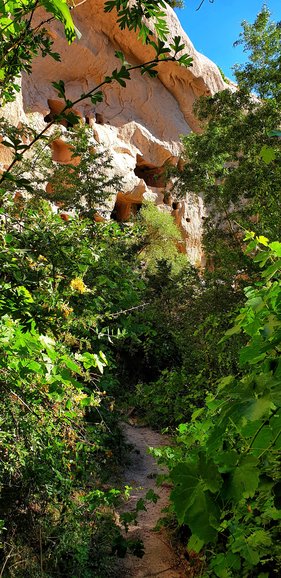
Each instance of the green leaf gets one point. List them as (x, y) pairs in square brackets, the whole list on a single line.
[(70, 364), (61, 11), (191, 497), (274, 133), (262, 240), (226, 460), (224, 381), (267, 154), (35, 367), (151, 496), (97, 97), (259, 538), (257, 408), (195, 544), (224, 563), (276, 247), (262, 441), (244, 480), (232, 331), (251, 354), (272, 269), (60, 87), (120, 55), (185, 61), (9, 238)]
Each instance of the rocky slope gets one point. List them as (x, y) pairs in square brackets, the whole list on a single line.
[(139, 124)]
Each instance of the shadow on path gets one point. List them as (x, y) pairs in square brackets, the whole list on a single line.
[(160, 558)]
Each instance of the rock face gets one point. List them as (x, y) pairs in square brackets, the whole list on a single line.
[(139, 124)]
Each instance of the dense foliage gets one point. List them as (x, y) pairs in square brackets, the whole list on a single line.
[(64, 281), (97, 316), (57, 431), (68, 287), (227, 472), (239, 168), (225, 467)]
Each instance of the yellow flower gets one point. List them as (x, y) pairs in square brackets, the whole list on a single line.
[(66, 310), (78, 285), (79, 396), (31, 263)]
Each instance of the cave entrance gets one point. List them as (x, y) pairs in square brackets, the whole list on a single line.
[(56, 107), (152, 175), (125, 209)]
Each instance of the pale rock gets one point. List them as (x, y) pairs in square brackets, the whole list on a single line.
[(141, 124)]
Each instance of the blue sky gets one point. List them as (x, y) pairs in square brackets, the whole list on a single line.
[(215, 27)]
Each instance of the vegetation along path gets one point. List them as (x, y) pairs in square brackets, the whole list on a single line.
[(160, 558)]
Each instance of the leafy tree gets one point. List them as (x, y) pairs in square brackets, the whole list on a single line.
[(64, 287), (22, 39), (226, 466), (239, 168), (58, 300), (83, 183), (226, 470)]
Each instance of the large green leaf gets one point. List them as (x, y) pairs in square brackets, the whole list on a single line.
[(192, 499), (256, 408), (244, 479), (262, 441)]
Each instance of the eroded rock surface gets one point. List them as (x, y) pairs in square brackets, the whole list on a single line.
[(140, 124)]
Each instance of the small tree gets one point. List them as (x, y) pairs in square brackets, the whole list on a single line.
[(235, 160)]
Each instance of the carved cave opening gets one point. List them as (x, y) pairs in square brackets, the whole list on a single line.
[(56, 107), (152, 175), (99, 118), (125, 209)]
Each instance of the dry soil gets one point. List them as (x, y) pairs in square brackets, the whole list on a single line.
[(160, 559)]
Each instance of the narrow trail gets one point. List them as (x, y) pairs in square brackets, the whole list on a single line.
[(160, 559)]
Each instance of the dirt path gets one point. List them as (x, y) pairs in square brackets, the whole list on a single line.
[(159, 558)]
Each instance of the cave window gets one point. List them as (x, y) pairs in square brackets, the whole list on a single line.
[(56, 107), (99, 118), (152, 175), (114, 214), (124, 210)]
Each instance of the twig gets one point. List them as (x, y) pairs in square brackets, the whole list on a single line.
[(76, 5), (27, 406), (6, 561), (113, 315), (202, 2), (41, 552)]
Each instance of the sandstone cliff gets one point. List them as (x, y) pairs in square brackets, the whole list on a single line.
[(140, 124)]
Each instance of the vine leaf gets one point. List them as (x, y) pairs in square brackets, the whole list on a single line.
[(244, 479), (191, 497)]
